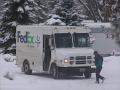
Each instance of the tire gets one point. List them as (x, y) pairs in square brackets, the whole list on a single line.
[(87, 75), (54, 71), (27, 68)]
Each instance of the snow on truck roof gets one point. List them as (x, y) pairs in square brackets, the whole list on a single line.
[(56, 29)]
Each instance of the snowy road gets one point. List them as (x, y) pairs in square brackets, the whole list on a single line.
[(44, 82)]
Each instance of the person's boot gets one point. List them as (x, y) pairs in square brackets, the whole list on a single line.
[(103, 80), (97, 82)]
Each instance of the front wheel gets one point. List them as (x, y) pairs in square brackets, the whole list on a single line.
[(27, 68), (54, 71), (87, 75)]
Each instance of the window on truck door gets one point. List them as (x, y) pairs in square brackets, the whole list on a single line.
[(47, 37), (45, 41)]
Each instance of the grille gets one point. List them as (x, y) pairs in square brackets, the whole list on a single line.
[(80, 62), (71, 58), (89, 57), (80, 59)]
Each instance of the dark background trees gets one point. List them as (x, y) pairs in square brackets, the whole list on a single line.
[(67, 12), (17, 12)]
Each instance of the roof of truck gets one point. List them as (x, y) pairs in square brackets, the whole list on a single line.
[(56, 29)]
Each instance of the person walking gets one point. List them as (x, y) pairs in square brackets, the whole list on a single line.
[(98, 64)]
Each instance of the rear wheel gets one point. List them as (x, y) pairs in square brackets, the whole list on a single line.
[(27, 69)]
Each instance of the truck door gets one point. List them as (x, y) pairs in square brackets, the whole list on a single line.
[(47, 52)]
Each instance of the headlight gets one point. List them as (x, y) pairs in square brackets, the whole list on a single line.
[(66, 60), (89, 61)]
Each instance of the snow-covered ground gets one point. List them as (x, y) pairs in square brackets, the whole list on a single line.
[(40, 81)]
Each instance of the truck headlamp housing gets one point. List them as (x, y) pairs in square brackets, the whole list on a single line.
[(66, 60), (89, 61)]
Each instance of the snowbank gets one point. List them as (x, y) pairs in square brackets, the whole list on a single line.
[(8, 57), (41, 81), (54, 20), (7, 66)]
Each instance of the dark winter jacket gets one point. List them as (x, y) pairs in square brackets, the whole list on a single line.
[(98, 60)]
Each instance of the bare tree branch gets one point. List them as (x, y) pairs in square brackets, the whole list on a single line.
[(87, 8), (98, 10)]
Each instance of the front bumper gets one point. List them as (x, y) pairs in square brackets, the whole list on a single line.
[(76, 70)]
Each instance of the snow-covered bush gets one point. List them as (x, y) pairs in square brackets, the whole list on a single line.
[(9, 76), (18, 12), (54, 20), (9, 58), (67, 10)]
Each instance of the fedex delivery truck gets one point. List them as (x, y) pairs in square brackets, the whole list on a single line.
[(56, 50)]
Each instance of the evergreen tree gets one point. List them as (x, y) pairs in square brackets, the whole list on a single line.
[(51, 4), (94, 9), (16, 12), (40, 12), (68, 12)]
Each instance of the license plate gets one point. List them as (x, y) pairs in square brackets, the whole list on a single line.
[(82, 70)]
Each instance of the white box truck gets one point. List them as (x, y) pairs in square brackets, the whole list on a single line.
[(56, 50)]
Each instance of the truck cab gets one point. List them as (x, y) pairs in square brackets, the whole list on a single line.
[(69, 52)]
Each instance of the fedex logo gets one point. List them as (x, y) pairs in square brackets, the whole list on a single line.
[(25, 38)]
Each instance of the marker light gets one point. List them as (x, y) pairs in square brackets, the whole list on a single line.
[(66, 61), (89, 61), (74, 27), (71, 28), (67, 27)]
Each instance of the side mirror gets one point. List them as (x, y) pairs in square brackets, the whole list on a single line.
[(92, 39), (51, 43)]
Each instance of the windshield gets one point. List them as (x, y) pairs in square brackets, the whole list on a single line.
[(81, 40), (63, 40)]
